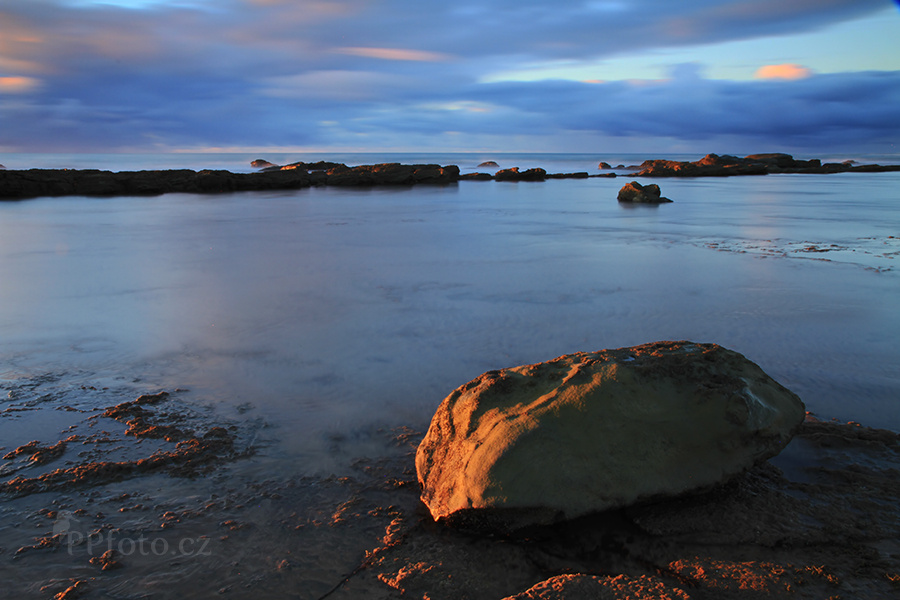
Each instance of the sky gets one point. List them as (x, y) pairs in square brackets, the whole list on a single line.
[(725, 76)]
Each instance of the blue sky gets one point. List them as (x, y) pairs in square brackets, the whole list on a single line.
[(740, 76)]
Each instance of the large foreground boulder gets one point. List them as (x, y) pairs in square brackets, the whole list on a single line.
[(589, 432)]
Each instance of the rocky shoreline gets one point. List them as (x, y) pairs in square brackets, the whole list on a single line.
[(32, 183), (820, 520)]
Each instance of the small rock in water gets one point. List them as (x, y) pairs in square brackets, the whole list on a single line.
[(261, 163), (488, 163), (589, 432), (635, 192)]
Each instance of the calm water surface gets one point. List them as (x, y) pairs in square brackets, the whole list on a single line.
[(329, 313)]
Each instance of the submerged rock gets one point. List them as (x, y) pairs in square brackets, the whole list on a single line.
[(590, 432), (647, 194)]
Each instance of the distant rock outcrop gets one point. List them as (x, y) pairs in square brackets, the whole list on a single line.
[(64, 182), (391, 174), (476, 177), (604, 165), (91, 182), (576, 175), (488, 163), (322, 165), (713, 165), (647, 194), (514, 174), (589, 432)]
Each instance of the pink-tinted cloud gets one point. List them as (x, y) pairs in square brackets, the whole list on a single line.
[(784, 71), (17, 84), (394, 54)]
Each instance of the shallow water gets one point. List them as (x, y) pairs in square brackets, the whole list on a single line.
[(317, 321), (330, 313)]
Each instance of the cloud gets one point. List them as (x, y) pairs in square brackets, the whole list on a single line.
[(819, 111), (17, 85), (784, 71), (394, 54), (258, 72), (336, 85)]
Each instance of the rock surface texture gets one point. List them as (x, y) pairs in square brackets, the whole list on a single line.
[(646, 194), (590, 432)]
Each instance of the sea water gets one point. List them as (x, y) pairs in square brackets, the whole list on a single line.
[(331, 313)]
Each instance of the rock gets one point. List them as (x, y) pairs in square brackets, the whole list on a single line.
[(511, 174), (488, 163), (321, 165), (107, 561), (419, 564), (604, 165), (2, 168), (391, 174), (713, 165), (261, 163), (590, 432), (635, 192), (64, 182), (593, 587), (817, 529), (778, 159), (873, 168), (576, 175), (74, 591), (514, 174)]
